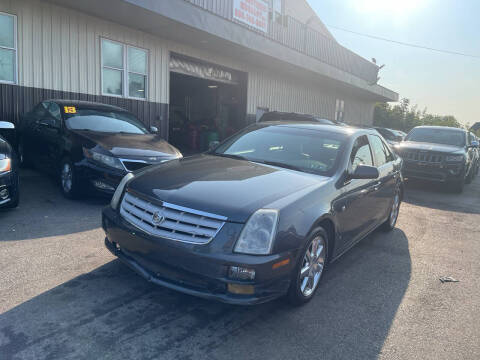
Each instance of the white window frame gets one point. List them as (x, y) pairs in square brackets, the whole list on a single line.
[(15, 49), (125, 71), (340, 109)]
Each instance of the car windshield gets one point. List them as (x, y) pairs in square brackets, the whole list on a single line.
[(104, 121), (437, 136), (312, 151)]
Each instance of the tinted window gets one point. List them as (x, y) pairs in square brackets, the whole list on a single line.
[(388, 152), (387, 134), (54, 110), (378, 150), (437, 136), (301, 149), (361, 153), (104, 121), (40, 111)]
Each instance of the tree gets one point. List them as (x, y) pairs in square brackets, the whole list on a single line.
[(404, 116)]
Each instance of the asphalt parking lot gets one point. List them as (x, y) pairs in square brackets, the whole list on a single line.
[(63, 296)]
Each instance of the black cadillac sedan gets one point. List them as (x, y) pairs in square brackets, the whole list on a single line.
[(260, 216), (89, 145), (9, 189), (440, 154)]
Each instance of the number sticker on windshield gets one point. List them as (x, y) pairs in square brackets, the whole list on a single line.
[(70, 109)]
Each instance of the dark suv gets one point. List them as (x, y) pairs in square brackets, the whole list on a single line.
[(439, 153)]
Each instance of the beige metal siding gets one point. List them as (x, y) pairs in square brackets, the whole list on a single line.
[(59, 49)]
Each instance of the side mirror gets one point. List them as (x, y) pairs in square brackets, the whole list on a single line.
[(5, 125), (365, 172), (153, 129), (213, 145)]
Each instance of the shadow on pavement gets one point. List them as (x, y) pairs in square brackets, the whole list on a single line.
[(438, 196), (113, 313), (44, 212)]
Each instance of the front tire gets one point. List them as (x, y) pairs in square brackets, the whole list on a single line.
[(22, 158), (69, 183), (309, 269)]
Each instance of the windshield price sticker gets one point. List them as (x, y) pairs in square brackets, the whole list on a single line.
[(70, 109)]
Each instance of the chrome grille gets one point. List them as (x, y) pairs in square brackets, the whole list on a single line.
[(176, 222), (422, 156)]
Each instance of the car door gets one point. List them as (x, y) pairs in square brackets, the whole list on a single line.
[(384, 189), (30, 141), (354, 213), (48, 135)]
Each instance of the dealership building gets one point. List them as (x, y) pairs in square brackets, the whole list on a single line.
[(184, 66)]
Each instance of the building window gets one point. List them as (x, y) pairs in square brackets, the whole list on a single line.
[(8, 48), (124, 70), (278, 11), (340, 110)]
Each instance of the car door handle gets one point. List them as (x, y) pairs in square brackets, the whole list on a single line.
[(375, 187)]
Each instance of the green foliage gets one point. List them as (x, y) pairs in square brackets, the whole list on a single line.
[(404, 116)]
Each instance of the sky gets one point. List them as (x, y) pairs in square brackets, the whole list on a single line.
[(444, 84)]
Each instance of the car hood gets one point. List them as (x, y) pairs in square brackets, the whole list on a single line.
[(222, 186), (412, 145), (131, 145)]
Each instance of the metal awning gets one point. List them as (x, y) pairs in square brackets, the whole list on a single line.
[(199, 69)]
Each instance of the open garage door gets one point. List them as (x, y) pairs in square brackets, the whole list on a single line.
[(207, 103)]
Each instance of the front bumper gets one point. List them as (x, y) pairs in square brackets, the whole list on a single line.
[(198, 270), (9, 186), (102, 179), (433, 172)]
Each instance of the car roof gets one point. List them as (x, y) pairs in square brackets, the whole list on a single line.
[(314, 125), (439, 128), (290, 116), (86, 104)]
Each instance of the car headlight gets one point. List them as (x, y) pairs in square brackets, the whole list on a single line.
[(258, 233), (109, 161), (5, 165), (452, 158), (119, 191)]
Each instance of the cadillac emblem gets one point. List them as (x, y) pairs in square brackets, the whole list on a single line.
[(157, 219)]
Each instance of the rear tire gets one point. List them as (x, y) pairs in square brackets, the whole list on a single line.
[(310, 268), (69, 182), (22, 158), (390, 223)]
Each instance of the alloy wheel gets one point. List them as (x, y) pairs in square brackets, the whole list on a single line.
[(313, 264), (395, 210), (67, 178)]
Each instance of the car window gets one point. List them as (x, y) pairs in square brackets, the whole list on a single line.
[(361, 153), (452, 137), (378, 150), (108, 121), (388, 152), (54, 110), (40, 111), (311, 151)]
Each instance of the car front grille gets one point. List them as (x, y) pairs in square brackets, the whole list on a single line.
[(171, 221), (422, 156)]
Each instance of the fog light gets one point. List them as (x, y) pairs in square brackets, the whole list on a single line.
[(4, 194), (241, 289), (241, 273), (102, 186)]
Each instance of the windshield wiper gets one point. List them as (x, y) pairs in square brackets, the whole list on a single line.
[(232, 156), (282, 165)]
